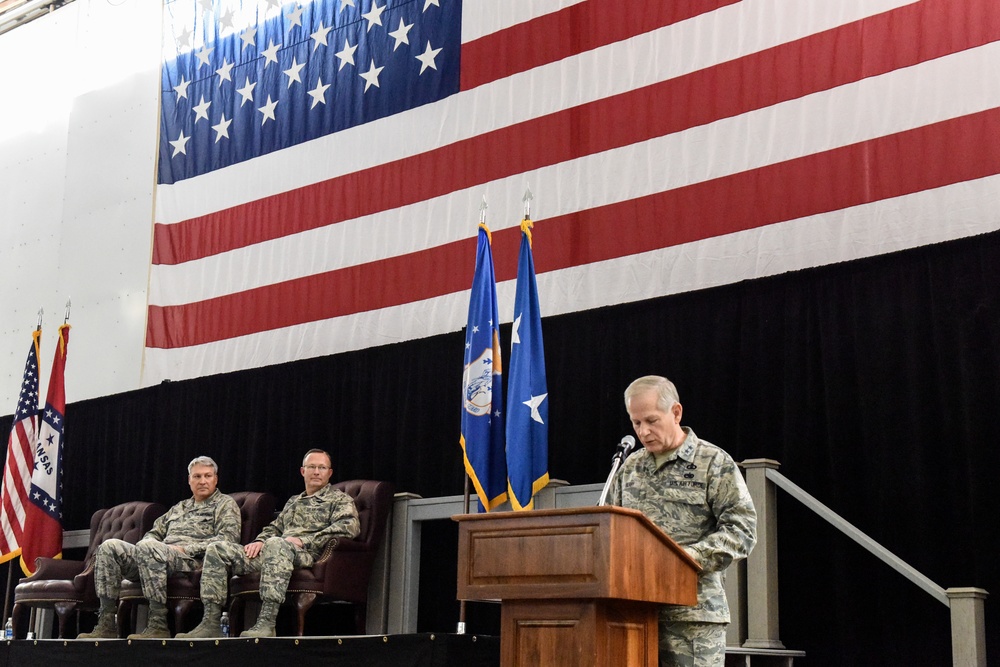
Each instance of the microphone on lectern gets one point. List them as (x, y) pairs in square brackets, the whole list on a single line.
[(625, 448)]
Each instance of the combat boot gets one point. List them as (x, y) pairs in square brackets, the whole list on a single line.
[(156, 624), (264, 627), (106, 627), (209, 626)]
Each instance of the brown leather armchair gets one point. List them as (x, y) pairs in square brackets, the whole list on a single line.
[(67, 586), (344, 568), (184, 588)]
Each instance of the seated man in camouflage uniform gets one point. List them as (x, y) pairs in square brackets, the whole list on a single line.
[(693, 491), (294, 539), (175, 543)]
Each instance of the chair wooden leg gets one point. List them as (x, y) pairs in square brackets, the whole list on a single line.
[(181, 609), (63, 610), (361, 617), (237, 609), (303, 602), (18, 614), (126, 622)]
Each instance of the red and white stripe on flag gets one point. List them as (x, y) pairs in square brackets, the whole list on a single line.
[(670, 146), (20, 457)]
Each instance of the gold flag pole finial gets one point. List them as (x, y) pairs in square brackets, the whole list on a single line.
[(41, 311), (69, 302)]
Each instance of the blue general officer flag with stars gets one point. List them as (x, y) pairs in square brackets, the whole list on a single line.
[(527, 392), (243, 78), (482, 436)]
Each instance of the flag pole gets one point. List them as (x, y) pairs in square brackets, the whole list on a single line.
[(466, 494), (6, 596), (466, 499)]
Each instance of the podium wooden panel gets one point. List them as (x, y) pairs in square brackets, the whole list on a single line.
[(579, 586)]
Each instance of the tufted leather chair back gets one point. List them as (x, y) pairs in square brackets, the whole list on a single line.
[(256, 511), (373, 499), (128, 521)]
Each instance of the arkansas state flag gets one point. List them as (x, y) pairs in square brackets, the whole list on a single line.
[(43, 512)]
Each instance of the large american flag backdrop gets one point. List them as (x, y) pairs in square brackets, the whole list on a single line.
[(322, 164)]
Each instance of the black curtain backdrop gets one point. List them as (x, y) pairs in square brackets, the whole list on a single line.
[(874, 383)]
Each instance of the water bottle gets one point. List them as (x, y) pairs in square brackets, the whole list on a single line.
[(224, 624), (8, 629)]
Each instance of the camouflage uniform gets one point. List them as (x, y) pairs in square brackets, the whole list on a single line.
[(313, 519), (690, 644), (698, 498), (188, 524)]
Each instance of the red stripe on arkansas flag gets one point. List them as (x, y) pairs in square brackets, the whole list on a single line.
[(646, 131)]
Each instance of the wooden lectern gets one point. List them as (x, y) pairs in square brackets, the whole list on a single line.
[(579, 587)]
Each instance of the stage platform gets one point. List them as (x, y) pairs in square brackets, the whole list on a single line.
[(417, 650)]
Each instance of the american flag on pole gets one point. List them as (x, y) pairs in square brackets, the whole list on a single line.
[(43, 512), (20, 457), (319, 161)]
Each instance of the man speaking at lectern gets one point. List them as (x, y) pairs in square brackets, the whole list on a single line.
[(693, 491)]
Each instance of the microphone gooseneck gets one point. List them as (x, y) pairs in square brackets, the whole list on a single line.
[(625, 448)]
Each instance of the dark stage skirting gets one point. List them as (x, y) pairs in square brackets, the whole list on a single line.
[(421, 650)]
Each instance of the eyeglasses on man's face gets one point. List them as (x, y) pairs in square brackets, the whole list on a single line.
[(314, 467)]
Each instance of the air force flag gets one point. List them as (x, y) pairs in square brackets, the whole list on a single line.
[(482, 389)]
